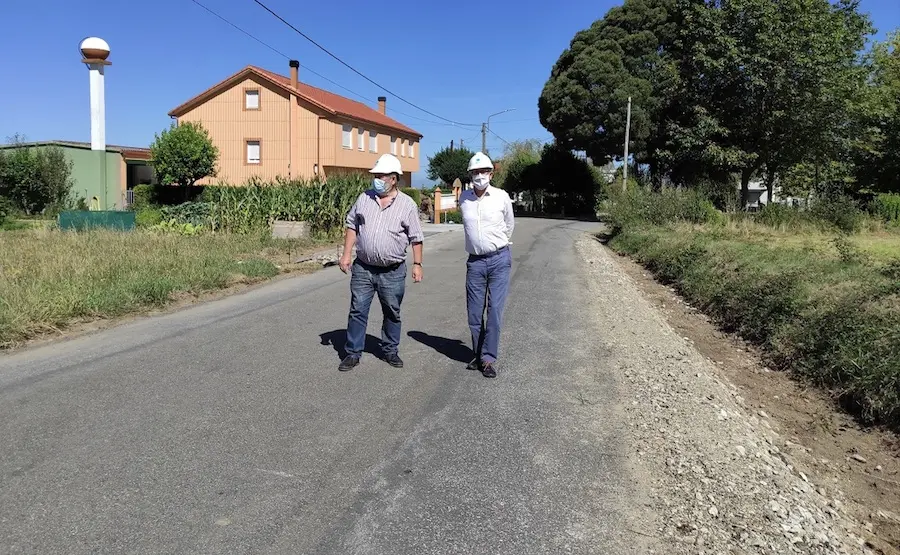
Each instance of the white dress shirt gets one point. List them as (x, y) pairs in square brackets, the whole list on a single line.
[(487, 220)]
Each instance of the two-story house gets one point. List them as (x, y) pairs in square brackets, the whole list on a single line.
[(269, 125)]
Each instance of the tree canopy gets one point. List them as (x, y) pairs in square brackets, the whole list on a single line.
[(448, 165), (35, 179), (725, 89), (183, 154)]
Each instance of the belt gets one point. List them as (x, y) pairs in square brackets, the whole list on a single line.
[(388, 268), (490, 254)]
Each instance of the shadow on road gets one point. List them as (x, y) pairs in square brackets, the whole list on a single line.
[(338, 338), (453, 349)]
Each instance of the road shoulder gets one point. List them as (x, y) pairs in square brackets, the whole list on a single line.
[(720, 478)]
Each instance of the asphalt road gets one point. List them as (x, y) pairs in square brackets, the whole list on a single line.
[(226, 428)]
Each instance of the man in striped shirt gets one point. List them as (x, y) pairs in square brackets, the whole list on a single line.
[(381, 224)]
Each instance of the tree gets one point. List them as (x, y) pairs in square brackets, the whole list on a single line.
[(877, 152), (765, 85), (183, 154), (448, 165), (35, 179), (584, 103)]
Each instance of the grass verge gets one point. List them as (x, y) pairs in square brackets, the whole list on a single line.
[(824, 306), (50, 279)]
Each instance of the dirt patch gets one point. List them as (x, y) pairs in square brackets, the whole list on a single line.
[(824, 443)]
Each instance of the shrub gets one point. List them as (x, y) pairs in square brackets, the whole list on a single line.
[(840, 212), (638, 206), (36, 178), (451, 217), (781, 216), (414, 193), (195, 213), (147, 217), (144, 197), (887, 206), (6, 209), (178, 228)]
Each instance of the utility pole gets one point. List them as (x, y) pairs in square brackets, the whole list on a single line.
[(627, 134), (451, 145), (484, 129), (461, 144)]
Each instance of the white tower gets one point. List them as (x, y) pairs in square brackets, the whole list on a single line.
[(96, 51)]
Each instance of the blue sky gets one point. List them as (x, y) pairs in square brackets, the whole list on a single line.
[(462, 60)]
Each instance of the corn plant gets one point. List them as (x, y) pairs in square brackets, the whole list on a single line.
[(257, 204)]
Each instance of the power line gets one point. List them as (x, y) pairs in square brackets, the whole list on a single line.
[(307, 68), (516, 120), (499, 137), (356, 71)]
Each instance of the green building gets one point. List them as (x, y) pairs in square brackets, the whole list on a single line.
[(104, 180)]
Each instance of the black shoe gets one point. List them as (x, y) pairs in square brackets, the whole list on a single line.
[(349, 363), (474, 365), (394, 360), (488, 370)]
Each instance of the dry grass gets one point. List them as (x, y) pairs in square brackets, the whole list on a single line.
[(824, 306), (878, 242), (49, 279)]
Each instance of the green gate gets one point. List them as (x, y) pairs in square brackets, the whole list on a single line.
[(99, 219)]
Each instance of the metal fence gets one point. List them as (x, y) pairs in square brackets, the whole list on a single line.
[(83, 219)]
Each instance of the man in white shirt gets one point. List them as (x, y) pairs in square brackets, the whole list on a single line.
[(488, 225)]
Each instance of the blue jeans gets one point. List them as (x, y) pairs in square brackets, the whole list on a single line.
[(487, 283), (365, 282)]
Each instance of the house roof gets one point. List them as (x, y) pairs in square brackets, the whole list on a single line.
[(328, 101), (130, 152)]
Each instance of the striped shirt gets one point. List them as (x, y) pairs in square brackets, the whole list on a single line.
[(382, 234)]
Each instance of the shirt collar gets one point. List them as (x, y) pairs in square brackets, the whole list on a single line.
[(487, 192), (374, 196)]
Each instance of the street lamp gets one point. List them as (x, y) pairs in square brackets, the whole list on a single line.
[(486, 125), (95, 52)]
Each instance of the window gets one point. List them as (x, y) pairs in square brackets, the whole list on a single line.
[(402, 147), (251, 99), (362, 140), (373, 141), (393, 145), (348, 136), (253, 151), (412, 149)]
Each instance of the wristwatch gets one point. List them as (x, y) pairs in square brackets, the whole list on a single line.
[(417, 263)]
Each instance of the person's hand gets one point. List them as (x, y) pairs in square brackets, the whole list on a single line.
[(417, 273), (344, 263)]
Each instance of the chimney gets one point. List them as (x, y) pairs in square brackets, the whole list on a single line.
[(295, 69), (382, 102)]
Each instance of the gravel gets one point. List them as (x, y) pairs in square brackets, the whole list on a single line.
[(718, 481)]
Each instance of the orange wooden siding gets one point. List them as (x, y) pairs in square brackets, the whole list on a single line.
[(296, 138), (230, 125)]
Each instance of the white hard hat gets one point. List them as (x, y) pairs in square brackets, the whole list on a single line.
[(388, 163), (480, 162)]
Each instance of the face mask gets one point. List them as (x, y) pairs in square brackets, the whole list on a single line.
[(381, 188), (481, 181)]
